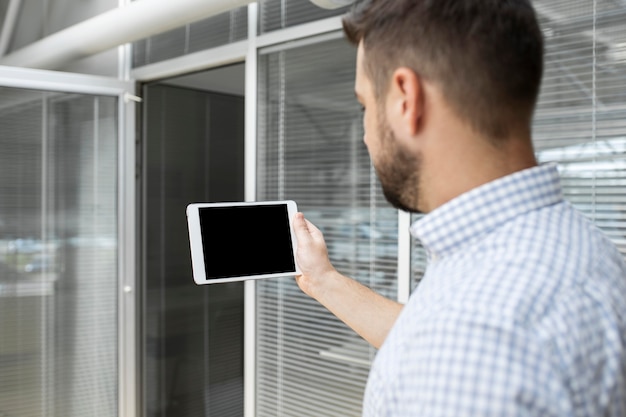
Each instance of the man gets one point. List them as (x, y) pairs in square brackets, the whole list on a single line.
[(522, 311)]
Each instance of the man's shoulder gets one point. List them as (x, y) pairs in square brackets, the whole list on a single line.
[(557, 236), (518, 271)]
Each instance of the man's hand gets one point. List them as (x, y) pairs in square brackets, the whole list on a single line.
[(312, 256)]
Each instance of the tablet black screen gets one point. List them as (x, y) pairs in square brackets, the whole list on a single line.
[(246, 240)]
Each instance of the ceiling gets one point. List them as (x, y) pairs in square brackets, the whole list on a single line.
[(567, 15)]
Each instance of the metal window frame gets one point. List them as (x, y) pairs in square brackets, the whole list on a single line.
[(34, 79), (251, 108)]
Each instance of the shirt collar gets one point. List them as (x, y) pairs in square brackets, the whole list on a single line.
[(480, 210)]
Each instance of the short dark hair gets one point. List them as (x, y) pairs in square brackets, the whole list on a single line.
[(485, 55)]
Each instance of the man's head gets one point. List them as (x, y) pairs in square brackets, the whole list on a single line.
[(486, 56)]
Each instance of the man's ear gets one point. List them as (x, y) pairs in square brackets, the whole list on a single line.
[(405, 102)]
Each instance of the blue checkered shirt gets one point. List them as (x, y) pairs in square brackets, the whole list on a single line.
[(521, 312)]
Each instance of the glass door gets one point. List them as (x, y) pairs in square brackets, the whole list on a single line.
[(60, 244), (192, 151)]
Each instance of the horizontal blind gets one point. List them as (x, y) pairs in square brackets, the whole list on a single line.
[(580, 122), (225, 28), (281, 14), (58, 254), (83, 211), (310, 149), (22, 319)]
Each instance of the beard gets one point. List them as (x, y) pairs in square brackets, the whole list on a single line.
[(397, 170)]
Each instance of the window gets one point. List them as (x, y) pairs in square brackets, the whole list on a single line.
[(281, 14), (214, 31), (581, 118), (311, 150), (58, 254)]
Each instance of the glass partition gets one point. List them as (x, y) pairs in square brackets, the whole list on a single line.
[(58, 254)]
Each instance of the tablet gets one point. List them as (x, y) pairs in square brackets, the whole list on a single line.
[(241, 241)]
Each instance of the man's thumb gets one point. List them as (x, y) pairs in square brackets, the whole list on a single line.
[(300, 228)]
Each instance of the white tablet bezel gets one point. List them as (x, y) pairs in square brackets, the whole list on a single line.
[(197, 251)]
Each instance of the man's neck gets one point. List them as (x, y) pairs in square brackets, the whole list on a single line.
[(463, 161)]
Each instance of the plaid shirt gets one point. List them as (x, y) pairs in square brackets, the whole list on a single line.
[(522, 312)]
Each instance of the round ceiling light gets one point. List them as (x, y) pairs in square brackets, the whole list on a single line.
[(331, 4)]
